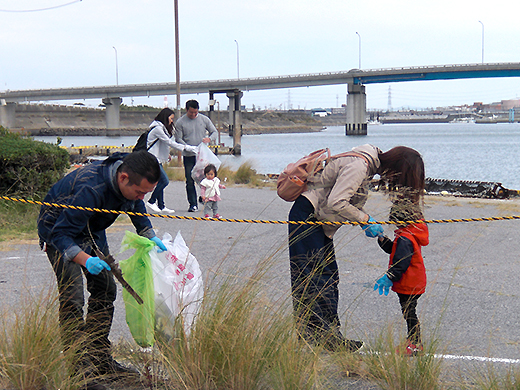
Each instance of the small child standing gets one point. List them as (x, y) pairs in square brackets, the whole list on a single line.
[(406, 273), (210, 191)]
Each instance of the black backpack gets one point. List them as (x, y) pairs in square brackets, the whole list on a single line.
[(141, 142)]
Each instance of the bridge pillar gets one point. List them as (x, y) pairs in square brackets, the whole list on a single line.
[(234, 110), (212, 107), (231, 109), (112, 112), (356, 110), (7, 114)]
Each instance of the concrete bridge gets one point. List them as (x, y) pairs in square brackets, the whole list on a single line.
[(354, 78)]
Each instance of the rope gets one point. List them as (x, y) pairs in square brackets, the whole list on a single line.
[(130, 213)]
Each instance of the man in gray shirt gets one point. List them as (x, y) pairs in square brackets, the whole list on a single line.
[(191, 129)]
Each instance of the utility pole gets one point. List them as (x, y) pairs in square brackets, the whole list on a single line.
[(177, 62)]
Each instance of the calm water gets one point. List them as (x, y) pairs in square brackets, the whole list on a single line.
[(463, 151)]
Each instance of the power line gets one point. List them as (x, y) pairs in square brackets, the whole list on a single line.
[(41, 9)]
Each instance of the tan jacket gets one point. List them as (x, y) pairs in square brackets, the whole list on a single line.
[(341, 191)]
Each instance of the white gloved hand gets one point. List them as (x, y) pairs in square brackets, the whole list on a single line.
[(192, 149)]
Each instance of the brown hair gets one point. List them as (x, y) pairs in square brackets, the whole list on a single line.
[(402, 171), (210, 167)]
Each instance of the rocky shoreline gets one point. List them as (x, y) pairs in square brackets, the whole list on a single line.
[(48, 120)]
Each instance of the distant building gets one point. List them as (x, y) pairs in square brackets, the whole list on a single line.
[(508, 104), (319, 112)]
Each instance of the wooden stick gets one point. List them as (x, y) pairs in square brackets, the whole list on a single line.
[(116, 271)]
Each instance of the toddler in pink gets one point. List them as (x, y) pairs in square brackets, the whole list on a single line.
[(210, 191)]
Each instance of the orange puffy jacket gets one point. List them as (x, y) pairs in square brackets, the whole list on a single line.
[(406, 266)]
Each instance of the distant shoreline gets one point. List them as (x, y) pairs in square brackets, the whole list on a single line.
[(87, 132), (43, 120)]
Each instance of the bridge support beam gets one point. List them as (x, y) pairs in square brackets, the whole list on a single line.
[(231, 108), (112, 112), (7, 114), (236, 118), (212, 113), (356, 110)]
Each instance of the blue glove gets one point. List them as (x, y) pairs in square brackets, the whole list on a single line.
[(159, 243), (95, 265), (383, 283), (374, 230)]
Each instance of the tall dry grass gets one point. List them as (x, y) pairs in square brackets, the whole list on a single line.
[(31, 355), (240, 340), (245, 174), (384, 365)]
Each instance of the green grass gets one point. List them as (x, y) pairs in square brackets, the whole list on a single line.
[(18, 220)]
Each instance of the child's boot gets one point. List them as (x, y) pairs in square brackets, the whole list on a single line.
[(410, 349)]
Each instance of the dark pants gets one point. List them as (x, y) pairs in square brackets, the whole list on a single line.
[(408, 308), (189, 163), (158, 193), (88, 335), (314, 272)]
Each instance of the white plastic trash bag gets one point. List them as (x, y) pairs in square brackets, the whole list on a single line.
[(178, 284), (204, 157)]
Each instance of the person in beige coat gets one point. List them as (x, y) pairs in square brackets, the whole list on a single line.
[(338, 194)]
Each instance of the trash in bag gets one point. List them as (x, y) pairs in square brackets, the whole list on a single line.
[(137, 270), (178, 285), (204, 157)]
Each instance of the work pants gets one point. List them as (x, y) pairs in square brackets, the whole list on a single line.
[(88, 335), (408, 308), (191, 192), (314, 272)]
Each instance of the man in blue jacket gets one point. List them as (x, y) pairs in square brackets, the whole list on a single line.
[(118, 183)]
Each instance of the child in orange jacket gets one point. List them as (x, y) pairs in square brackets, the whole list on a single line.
[(406, 273)]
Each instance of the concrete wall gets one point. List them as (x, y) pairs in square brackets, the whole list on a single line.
[(40, 117)]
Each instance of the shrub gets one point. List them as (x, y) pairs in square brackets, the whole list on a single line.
[(29, 167), (245, 173)]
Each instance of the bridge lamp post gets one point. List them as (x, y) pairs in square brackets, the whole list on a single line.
[(177, 61), (482, 40), (238, 62), (117, 75), (359, 36)]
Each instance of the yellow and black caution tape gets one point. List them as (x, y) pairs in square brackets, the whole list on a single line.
[(130, 213)]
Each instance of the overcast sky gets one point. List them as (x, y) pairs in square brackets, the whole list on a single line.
[(67, 43)]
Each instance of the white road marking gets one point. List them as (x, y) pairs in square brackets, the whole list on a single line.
[(461, 357), (478, 358)]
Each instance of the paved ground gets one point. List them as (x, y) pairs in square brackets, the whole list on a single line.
[(472, 301)]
